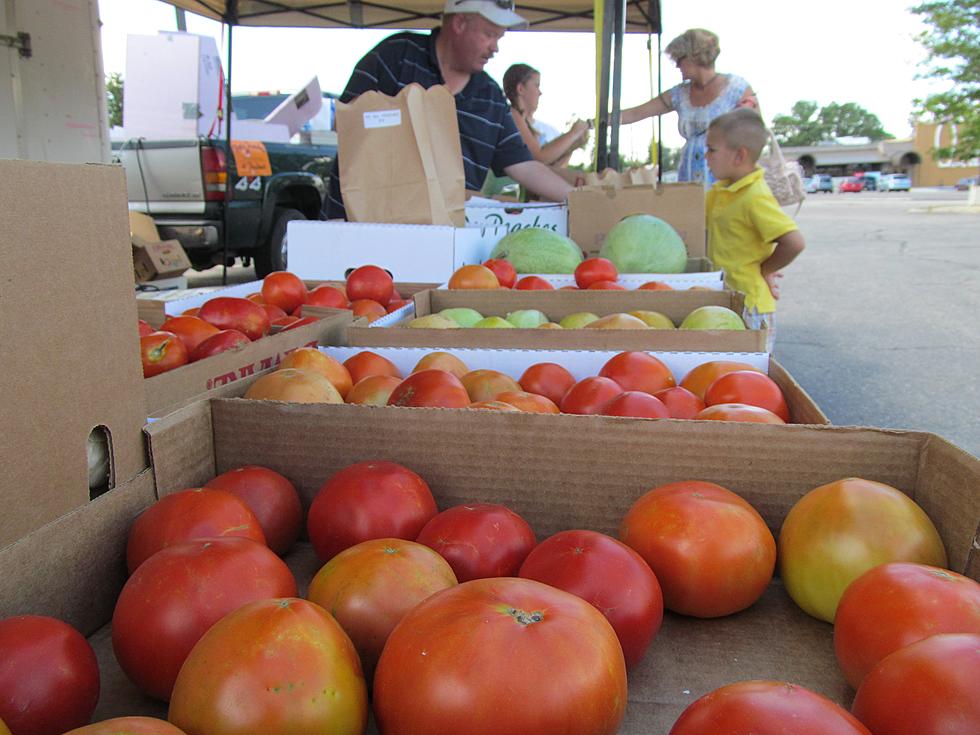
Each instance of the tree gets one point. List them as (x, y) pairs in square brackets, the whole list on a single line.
[(114, 98), (953, 46), (808, 125), (800, 128)]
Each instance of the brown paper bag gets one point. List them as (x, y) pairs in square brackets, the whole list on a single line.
[(612, 179), (400, 158)]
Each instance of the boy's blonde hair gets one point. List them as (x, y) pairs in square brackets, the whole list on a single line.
[(742, 128)]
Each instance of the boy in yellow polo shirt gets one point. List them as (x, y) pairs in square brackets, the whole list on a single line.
[(749, 236)]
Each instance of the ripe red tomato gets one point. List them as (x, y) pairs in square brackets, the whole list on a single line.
[(49, 677), (547, 379), (528, 402), (655, 286), (486, 385), (274, 312), (738, 412), (837, 532), (590, 395), (432, 388), (701, 377), (680, 402), (606, 286), (374, 390), (226, 339), (178, 593), (370, 282), (750, 387), (479, 540), (592, 270), (368, 308), (189, 514), (366, 363), (327, 295), (931, 686), (285, 290), (533, 283), (892, 605), (766, 708), (271, 497), (711, 551), (145, 328), (610, 576), (637, 404), (368, 500), (501, 655), (281, 322), (396, 304), (503, 270), (160, 352), (638, 371), (272, 666), (192, 330), (369, 588), (231, 312), (128, 726)]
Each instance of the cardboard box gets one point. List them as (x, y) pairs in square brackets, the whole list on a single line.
[(326, 251), (69, 356), (491, 213), (583, 363), (159, 259), (557, 304), (593, 212), (169, 389), (699, 272), (496, 457)]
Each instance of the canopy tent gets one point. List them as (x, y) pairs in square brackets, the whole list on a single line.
[(642, 16), (618, 17)]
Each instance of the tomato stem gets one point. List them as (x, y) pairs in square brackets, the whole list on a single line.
[(525, 618)]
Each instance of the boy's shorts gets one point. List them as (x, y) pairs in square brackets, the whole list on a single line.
[(755, 320)]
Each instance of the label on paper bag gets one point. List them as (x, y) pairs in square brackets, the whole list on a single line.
[(382, 119)]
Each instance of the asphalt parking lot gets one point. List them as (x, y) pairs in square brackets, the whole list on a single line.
[(878, 319)]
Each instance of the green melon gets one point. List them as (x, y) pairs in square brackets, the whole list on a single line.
[(537, 250), (642, 243)]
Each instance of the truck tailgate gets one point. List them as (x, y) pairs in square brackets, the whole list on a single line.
[(163, 177)]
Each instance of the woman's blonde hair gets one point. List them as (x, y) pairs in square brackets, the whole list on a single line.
[(696, 44)]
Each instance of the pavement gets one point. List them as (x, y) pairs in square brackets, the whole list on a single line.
[(878, 319)]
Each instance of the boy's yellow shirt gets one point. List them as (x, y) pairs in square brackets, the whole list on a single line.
[(744, 219)]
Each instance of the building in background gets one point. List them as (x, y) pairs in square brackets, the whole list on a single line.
[(913, 156)]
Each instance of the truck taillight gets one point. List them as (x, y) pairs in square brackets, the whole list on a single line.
[(215, 173)]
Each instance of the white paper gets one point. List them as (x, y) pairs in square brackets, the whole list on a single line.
[(382, 119)]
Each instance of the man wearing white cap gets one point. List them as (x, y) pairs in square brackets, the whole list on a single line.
[(454, 55)]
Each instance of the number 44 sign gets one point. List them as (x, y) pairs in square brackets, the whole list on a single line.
[(243, 184)]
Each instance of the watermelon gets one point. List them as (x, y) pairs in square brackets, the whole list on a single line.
[(642, 243), (537, 250)]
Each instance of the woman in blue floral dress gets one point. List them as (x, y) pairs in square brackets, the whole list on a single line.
[(700, 98)]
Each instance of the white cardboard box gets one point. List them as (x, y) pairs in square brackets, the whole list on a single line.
[(174, 87), (517, 216), (326, 251)]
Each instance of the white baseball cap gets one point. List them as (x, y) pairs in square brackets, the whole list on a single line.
[(500, 12)]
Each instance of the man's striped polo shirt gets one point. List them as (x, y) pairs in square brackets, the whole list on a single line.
[(487, 133)]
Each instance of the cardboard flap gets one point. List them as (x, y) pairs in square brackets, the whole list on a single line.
[(69, 353)]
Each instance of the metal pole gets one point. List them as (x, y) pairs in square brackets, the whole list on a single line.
[(619, 30), (602, 123), (181, 19), (231, 18)]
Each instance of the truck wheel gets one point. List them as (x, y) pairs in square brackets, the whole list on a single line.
[(273, 256)]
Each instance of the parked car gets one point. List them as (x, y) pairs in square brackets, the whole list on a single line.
[(852, 183), (896, 182), (964, 184), (820, 182)]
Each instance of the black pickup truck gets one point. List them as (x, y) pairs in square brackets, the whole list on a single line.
[(220, 210)]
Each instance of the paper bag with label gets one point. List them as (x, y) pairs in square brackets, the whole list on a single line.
[(400, 158)]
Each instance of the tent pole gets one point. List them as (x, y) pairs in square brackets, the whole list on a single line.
[(231, 18), (619, 30), (602, 124)]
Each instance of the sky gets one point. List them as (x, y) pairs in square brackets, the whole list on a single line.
[(860, 51)]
